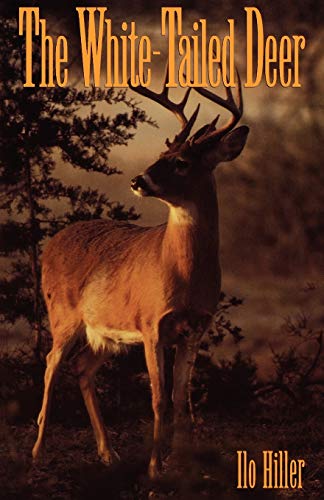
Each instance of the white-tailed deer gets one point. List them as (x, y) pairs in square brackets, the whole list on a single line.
[(122, 284)]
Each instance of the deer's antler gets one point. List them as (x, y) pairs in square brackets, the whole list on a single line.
[(176, 108), (209, 132)]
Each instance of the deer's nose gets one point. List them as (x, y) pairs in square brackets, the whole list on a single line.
[(138, 182)]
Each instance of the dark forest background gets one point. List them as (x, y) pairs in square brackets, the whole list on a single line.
[(68, 154)]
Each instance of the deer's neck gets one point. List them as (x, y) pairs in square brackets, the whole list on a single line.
[(191, 236)]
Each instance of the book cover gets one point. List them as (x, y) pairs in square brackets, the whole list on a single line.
[(161, 244)]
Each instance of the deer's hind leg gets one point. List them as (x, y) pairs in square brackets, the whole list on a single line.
[(63, 340), (86, 366)]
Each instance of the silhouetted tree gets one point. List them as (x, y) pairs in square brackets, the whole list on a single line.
[(41, 127)]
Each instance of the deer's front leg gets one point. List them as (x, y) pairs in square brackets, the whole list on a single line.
[(155, 364), (186, 354)]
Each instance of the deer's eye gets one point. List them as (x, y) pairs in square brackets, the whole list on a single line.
[(180, 166)]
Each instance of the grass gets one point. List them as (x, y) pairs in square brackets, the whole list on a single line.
[(71, 470)]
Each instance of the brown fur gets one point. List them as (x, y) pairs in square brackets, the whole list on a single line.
[(172, 268)]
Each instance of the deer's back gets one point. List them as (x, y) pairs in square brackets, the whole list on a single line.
[(83, 249)]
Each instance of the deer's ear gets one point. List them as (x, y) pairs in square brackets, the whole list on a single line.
[(233, 143), (229, 146)]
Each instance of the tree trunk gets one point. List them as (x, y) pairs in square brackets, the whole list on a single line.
[(34, 264)]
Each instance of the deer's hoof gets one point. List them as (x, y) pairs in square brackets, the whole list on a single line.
[(154, 471), (37, 454), (109, 458)]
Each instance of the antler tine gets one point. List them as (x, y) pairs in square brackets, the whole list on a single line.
[(183, 135), (239, 91), (177, 109), (165, 90), (236, 108), (165, 93), (162, 98)]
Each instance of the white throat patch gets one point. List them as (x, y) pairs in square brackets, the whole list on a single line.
[(185, 215)]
